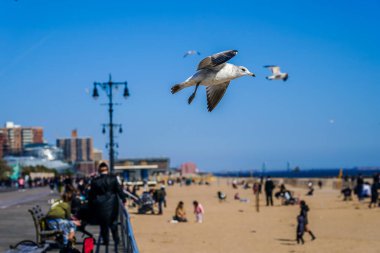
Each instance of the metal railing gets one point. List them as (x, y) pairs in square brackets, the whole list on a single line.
[(128, 241)]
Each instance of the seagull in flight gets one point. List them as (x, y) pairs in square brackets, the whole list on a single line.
[(276, 73), (215, 73), (191, 52)]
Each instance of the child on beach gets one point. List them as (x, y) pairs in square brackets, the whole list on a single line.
[(300, 228), (198, 211), (304, 212)]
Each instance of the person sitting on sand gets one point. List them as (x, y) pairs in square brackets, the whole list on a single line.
[(311, 188), (198, 211), (180, 213), (222, 196), (347, 193)]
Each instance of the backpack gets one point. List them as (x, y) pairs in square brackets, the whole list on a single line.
[(88, 245)]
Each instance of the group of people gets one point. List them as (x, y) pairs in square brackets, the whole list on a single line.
[(24, 182), (96, 203), (284, 194), (180, 213), (362, 189), (148, 199)]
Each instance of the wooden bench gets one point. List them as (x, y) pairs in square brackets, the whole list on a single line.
[(43, 233), (46, 235)]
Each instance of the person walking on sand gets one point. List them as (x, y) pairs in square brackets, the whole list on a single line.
[(198, 211), (269, 187), (300, 229), (304, 210)]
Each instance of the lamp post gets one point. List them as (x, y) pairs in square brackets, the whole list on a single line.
[(108, 88)]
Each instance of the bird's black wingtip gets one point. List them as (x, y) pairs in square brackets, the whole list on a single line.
[(175, 88)]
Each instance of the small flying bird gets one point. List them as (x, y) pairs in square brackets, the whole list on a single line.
[(191, 52), (277, 74), (214, 73)]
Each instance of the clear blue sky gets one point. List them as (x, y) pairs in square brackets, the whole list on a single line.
[(52, 51)]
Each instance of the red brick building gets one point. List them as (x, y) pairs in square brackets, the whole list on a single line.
[(14, 138), (3, 141), (188, 168)]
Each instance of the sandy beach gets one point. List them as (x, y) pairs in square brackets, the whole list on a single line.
[(233, 226)]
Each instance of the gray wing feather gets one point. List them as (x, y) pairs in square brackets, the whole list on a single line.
[(216, 59), (215, 94)]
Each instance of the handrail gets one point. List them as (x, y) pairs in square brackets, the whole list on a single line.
[(128, 240)]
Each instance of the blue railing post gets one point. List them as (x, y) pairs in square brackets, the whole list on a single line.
[(128, 240)]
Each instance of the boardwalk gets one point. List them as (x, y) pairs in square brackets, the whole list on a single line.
[(16, 223)]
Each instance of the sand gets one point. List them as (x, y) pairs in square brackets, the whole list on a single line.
[(233, 226)]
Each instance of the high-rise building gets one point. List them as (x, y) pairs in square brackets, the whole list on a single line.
[(76, 149), (98, 155), (16, 137)]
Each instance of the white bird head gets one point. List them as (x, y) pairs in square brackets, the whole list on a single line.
[(243, 71)]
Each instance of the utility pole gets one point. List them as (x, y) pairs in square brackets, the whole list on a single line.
[(108, 88)]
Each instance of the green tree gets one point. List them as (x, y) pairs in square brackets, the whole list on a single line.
[(5, 170), (26, 170)]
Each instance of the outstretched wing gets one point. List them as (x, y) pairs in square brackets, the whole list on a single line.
[(275, 69), (215, 94), (216, 59)]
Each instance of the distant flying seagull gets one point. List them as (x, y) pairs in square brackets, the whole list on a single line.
[(214, 73), (277, 74), (191, 52)]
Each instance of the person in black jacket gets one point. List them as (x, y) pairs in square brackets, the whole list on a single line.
[(304, 210), (374, 191), (103, 202), (300, 229), (269, 187), (359, 187)]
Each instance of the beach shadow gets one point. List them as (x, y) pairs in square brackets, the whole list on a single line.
[(287, 242)]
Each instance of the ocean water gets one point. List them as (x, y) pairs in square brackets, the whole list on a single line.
[(310, 173)]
